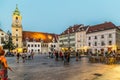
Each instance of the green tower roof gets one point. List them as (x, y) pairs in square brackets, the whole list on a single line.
[(16, 12)]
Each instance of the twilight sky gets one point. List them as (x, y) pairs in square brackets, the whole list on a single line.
[(54, 16)]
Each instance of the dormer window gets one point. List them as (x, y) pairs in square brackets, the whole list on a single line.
[(27, 39)]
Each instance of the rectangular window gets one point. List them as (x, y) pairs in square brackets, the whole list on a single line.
[(110, 35), (110, 42), (102, 36), (32, 45), (95, 43), (28, 45), (89, 44), (89, 38), (95, 37), (102, 43)]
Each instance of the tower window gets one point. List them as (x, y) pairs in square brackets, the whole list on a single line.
[(16, 29), (16, 45), (16, 39), (16, 18)]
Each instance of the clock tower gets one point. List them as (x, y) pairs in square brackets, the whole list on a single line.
[(17, 28)]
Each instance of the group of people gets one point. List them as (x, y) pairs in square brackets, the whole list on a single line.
[(108, 57), (64, 56), (25, 55)]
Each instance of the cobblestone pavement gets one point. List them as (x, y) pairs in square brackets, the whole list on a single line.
[(45, 68)]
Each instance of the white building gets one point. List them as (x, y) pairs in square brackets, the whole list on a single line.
[(53, 47), (81, 38), (34, 46), (103, 37), (68, 39), (3, 37)]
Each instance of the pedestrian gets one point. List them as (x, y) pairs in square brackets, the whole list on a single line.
[(65, 57), (77, 55), (23, 56), (68, 57), (18, 57), (49, 54), (61, 55), (3, 66), (56, 54), (32, 54)]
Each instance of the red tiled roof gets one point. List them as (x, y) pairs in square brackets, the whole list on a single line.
[(101, 27), (71, 29), (38, 36)]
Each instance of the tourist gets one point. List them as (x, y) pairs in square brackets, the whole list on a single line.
[(32, 54), (3, 66), (77, 54), (18, 57), (23, 56)]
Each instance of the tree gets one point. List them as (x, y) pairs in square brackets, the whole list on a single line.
[(8, 44)]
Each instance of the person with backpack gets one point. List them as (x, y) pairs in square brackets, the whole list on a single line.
[(3, 66)]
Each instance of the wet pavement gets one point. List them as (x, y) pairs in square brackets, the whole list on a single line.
[(45, 68)]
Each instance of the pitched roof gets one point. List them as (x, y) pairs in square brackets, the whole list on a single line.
[(71, 29), (39, 36), (101, 27)]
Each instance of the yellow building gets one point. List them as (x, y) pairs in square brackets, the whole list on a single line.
[(17, 28)]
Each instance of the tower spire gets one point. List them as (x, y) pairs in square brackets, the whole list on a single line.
[(16, 12)]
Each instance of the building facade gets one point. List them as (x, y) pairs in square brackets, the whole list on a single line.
[(103, 37), (81, 38), (34, 47), (3, 37), (68, 38)]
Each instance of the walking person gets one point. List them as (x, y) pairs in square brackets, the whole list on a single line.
[(24, 56), (56, 54), (68, 57), (61, 55), (32, 54), (18, 57), (3, 66), (77, 54)]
